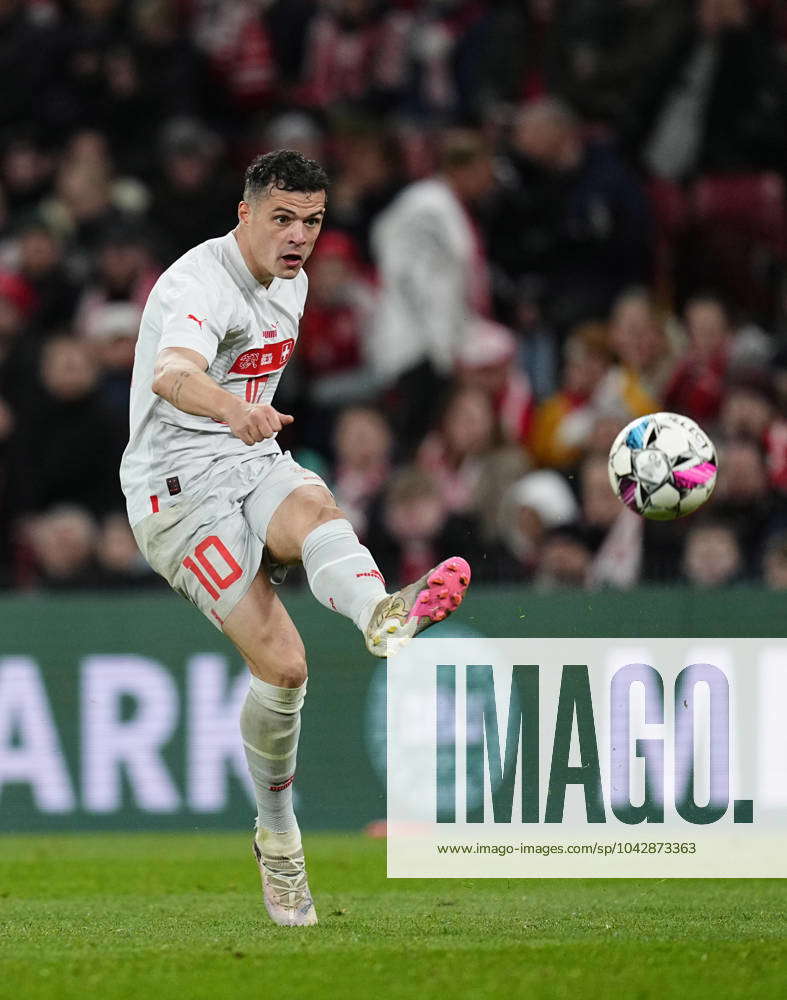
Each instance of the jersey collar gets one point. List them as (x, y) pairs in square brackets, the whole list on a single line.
[(240, 267)]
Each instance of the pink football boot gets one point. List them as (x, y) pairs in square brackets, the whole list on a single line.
[(400, 616)]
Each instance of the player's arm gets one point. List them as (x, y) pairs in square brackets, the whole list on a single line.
[(181, 378)]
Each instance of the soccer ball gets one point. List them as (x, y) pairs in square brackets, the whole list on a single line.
[(662, 466)]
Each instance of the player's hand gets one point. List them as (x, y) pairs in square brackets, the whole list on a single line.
[(253, 422)]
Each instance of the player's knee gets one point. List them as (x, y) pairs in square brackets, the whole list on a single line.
[(291, 674), (328, 511), (305, 510), (320, 510), (287, 670)]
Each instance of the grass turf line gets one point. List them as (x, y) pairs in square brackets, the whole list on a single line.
[(180, 915)]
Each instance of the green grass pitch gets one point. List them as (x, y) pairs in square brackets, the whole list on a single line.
[(165, 916)]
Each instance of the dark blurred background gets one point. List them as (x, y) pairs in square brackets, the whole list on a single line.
[(546, 218)]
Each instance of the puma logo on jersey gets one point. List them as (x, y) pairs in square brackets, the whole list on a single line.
[(270, 334), (199, 322)]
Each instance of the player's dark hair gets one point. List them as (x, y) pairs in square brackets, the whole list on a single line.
[(286, 170)]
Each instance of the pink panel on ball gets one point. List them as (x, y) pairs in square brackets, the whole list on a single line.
[(628, 494), (693, 477)]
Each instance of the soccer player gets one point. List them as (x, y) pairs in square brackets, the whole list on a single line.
[(219, 511)]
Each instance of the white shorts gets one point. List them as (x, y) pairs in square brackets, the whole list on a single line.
[(209, 548)]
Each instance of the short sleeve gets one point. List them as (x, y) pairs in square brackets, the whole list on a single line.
[(195, 315)]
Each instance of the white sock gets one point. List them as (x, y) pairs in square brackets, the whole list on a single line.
[(278, 845), (270, 723), (341, 572)]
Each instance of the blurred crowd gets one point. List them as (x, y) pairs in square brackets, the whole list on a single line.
[(546, 218)]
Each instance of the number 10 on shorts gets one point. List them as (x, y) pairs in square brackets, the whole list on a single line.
[(202, 566)]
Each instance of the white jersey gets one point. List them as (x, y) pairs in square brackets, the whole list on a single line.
[(207, 301)]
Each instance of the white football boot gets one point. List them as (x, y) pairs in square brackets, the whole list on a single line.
[(285, 887), (400, 616)]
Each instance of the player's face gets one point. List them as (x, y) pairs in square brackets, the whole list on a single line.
[(278, 230)]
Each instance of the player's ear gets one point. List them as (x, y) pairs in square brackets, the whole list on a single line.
[(244, 211)]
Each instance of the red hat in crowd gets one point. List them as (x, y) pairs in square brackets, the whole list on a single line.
[(335, 243), (17, 292)]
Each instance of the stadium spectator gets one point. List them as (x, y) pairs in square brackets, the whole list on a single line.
[(505, 55), (111, 332), (474, 451), (538, 502), (82, 446), (716, 102), (340, 50), (125, 110), (697, 385), (775, 562), (41, 264), (333, 342), (538, 347), (235, 40), (441, 54), (288, 24), (748, 407), (645, 357), (618, 561), (194, 195), (743, 497), (155, 75), (571, 212), (85, 38), (612, 534), (408, 523), (28, 62), (296, 130), (565, 559), (368, 174), (454, 452), (407, 528), (563, 424), (712, 555), (88, 198), (488, 361), (26, 169), (119, 564), (18, 300), (124, 272), (62, 545), (599, 51), (434, 280), (501, 468), (17, 353), (600, 507), (363, 447)]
